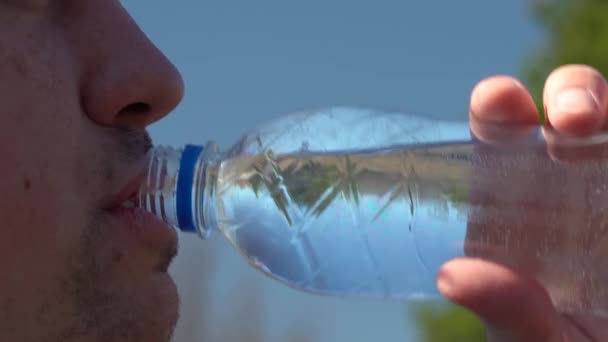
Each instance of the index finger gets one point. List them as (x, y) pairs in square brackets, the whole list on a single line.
[(502, 102)]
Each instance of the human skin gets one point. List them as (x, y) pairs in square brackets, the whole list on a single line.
[(509, 299), (79, 83)]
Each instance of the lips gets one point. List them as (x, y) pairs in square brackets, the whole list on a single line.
[(138, 227), (127, 194)]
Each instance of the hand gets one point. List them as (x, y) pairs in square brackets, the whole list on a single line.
[(510, 300)]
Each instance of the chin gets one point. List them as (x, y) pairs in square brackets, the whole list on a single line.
[(159, 309), (144, 311), (167, 299)]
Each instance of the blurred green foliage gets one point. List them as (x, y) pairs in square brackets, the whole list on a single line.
[(440, 322), (576, 32)]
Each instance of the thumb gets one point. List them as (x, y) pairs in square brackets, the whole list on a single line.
[(513, 306)]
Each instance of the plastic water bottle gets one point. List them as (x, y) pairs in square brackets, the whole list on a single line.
[(347, 201)]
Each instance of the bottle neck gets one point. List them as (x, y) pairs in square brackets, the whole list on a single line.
[(179, 187)]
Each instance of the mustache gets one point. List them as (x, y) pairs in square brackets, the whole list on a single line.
[(126, 147)]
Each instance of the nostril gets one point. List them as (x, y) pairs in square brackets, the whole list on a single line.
[(136, 108)]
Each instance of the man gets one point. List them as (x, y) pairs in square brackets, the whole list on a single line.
[(79, 83)]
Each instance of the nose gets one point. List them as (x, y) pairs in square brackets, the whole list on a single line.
[(125, 79)]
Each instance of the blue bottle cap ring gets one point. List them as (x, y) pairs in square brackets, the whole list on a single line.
[(185, 183)]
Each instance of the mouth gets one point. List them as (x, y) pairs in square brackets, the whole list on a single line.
[(127, 197), (139, 226)]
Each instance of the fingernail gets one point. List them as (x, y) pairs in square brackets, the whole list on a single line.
[(577, 101), (495, 117), (500, 117)]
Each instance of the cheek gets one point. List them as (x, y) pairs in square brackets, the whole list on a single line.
[(37, 139), (31, 214), (41, 233), (30, 255), (41, 214), (43, 210)]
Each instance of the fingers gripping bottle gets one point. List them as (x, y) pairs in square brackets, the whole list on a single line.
[(347, 201)]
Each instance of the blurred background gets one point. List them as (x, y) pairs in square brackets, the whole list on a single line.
[(245, 62)]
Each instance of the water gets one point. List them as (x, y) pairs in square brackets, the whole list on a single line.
[(346, 223), (357, 203)]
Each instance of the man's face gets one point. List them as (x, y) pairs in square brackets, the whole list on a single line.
[(78, 85)]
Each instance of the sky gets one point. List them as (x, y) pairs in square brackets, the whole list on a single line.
[(246, 62)]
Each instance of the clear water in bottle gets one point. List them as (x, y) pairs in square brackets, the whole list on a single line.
[(344, 222), (347, 201)]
